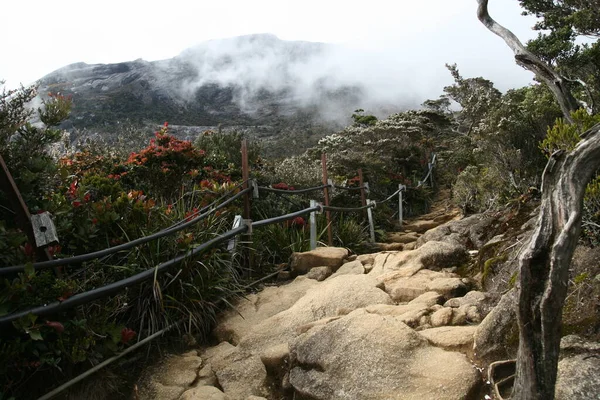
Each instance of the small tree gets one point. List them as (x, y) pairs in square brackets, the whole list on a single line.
[(26, 147)]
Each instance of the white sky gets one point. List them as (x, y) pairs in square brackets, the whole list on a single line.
[(39, 36)]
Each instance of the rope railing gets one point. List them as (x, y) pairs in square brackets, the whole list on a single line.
[(203, 209), (350, 187), (391, 196), (294, 191), (348, 209), (115, 287), (107, 290), (125, 246), (286, 217), (245, 228)]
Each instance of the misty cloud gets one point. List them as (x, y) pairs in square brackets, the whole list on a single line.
[(334, 78), (306, 74)]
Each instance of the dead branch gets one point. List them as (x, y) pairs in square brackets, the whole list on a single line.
[(531, 62)]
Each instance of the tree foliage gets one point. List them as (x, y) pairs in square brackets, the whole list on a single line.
[(568, 41)]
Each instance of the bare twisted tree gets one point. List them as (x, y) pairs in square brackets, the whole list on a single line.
[(544, 262), (531, 62)]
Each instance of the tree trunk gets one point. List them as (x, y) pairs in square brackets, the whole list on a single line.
[(529, 61), (544, 267), (544, 262)]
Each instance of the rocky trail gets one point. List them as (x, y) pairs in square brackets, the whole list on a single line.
[(399, 323)]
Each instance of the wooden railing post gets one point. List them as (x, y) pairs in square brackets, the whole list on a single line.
[(23, 218), (326, 194), (363, 192)]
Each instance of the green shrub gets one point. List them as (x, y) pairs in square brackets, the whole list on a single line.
[(478, 189), (565, 136)]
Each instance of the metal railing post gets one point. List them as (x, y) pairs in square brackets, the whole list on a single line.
[(400, 210), (370, 216), (326, 195), (313, 226), (248, 256), (232, 245)]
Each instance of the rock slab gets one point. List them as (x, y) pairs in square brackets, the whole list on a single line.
[(369, 356)]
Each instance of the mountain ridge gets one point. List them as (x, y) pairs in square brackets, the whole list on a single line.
[(288, 88)]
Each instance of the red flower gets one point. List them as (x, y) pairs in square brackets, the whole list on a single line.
[(76, 203), (94, 221), (57, 326), (87, 197), (127, 334), (72, 192), (52, 250), (190, 215), (166, 124), (66, 294), (299, 222), (28, 250), (281, 186)]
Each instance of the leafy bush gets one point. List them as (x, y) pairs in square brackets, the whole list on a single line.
[(26, 147), (96, 205), (476, 190), (565, 136)]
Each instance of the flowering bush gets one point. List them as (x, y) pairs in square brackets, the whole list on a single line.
[(164, 167), (99, 201)]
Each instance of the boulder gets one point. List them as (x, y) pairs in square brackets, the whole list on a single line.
[(578, 377), (256, 307), (366, 259), (240, 374), (180, 370), (471, 232), (484, 302), (171, 377), (350, 268), (387, 246), (333, 257), (578, 368), (422, 226), (432, 255), (441, 317), (399, 237), (204, 393), (319, 273), (369, 356), (402, 288), (410, 246), (206, 376), (274, 358), (497, 336), (329, 298), (157, 391), (415, 315), (454, 338)]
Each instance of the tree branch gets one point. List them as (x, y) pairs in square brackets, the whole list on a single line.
[(531, 62)]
